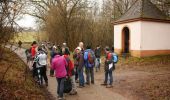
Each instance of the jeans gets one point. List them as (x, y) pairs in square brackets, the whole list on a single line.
[(81, 77), (97, 64), (89, 74), (60, 88), (108, 73)]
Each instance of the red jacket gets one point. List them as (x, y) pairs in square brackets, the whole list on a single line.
[(33, 51)]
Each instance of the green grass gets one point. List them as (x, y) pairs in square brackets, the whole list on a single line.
[(153, 59)]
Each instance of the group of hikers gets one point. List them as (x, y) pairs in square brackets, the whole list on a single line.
[(68, 72)]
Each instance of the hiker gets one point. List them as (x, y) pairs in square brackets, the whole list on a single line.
[(109, 67), (89, 61), (81, 45), (70, 71), (80, 66), (33, 53), (59, 64), (41, 66), (52, 55), (64, 47), (19, 44), (33, 49), (28, 55), (97, 55), (44, 48), (76, 61), (59, 50)]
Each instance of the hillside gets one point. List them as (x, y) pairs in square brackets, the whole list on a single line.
[(15, 84)]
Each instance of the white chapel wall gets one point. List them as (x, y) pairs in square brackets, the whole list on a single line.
[(155, 36), (135, 35)]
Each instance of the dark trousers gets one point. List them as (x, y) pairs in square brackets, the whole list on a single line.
[(51, 72), (42, 74), (81, 77), (60, 87), (76, 73), (34, 71), (89, 74), (108, 73)]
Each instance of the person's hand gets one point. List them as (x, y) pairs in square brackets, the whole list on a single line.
[(66, 77)]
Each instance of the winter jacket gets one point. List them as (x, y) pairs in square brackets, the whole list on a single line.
[(108, 60), (97, 53), (80, 60), (59, 64), (41, 59), (33, 51)]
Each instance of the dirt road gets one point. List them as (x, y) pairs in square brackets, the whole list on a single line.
[(141, 83), (92, 92)]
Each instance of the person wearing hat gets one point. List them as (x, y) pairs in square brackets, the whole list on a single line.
[(80, 46), (64, 47), (59, 64), (109, 67), (44, 48), (41, 66), (80, 65), (52, 55), (33, 51)]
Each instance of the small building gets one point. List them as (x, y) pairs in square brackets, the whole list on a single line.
[(142, 31)]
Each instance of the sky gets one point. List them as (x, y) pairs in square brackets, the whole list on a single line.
[(29, 21)]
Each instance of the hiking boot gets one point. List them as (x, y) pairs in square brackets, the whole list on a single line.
[(104, 84), (52, 75), (92, 82), (87, 83), (109, 86), (61, 98), (73, 93), (77, 81), (46, 84), (81, 86)]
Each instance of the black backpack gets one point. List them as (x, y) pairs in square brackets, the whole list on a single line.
[(67, 85)]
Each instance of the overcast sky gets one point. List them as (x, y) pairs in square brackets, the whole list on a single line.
[(29, 21)]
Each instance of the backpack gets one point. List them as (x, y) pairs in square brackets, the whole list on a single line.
[(91, 57), (67, 85), (28, 53), (70, 66), (115, 58)]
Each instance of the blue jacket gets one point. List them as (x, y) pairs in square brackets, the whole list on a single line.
[(86, 62)]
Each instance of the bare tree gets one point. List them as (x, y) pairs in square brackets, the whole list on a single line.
[(9, 12)]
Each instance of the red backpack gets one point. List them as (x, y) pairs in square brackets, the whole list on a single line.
[(91, 58), (70, 66)]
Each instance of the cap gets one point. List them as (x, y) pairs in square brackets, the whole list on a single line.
[(78, 48)]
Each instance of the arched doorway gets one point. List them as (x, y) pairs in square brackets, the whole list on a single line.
[(125, 40)]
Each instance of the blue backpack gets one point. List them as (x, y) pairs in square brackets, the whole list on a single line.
[(89, 57), (115, 58)]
